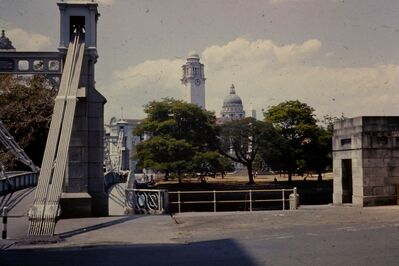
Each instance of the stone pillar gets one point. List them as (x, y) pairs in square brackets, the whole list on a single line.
[(96, 153), (84, 193)]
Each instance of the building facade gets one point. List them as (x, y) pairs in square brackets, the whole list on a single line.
[(366, 161), (193, 80), (129, 142)]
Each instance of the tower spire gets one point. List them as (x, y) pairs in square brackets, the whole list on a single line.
[(232, 89)]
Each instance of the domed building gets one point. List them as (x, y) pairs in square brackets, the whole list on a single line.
[(232, 106), (5, 43)]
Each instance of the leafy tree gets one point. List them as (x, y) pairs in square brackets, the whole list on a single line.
[(277, 156), (177, 126), (241, 141), (318, 154), (165, 154), (295, 122), (179, 120), (26, 107), (211, 163)]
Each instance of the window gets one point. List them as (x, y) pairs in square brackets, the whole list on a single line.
[(38, 65), (346, 142)]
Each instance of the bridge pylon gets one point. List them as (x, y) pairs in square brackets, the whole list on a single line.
[(71, 181), (83, 193)]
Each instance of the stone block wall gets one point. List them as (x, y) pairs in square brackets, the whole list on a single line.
[(372, 145), (84, 193)]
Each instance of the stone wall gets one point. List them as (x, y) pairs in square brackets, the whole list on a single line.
[(372, 145)]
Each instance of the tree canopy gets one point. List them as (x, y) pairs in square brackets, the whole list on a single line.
[(295, 122), (26, 107), (241, 141), (179, 120), (165, 154), (304, 145), (181, 139)]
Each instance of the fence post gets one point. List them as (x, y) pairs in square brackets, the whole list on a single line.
[(178, 200), (159, 201), (250, 200), (294, 199), (4, 232), (214, 201), (283, 199)]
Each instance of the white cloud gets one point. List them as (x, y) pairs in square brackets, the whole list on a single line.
[(24, 40), (244, 51), (264, 74), (135, 86)]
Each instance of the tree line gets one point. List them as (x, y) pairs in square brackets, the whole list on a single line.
[(26, 107), (184, 140)]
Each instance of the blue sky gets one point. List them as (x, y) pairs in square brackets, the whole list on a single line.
[(339, 56)]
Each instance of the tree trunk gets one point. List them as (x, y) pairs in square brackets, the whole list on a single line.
[(251, 180), (289, 175)]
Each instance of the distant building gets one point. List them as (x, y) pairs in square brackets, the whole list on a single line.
[(129, 142), (253, 112), (232, 108), (5, 43), (194, 80)]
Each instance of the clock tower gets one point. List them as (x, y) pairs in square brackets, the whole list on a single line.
[(194, 80)]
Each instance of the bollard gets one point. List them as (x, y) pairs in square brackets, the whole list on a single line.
[(4, 232), (294, 200)]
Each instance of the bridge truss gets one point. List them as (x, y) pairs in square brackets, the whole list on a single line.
[(12, 147)]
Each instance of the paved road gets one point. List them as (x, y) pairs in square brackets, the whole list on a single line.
[(21, 201), (313, 235), (310, 236)]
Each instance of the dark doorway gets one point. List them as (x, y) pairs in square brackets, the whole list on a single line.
[(347, 190), (77, 25)]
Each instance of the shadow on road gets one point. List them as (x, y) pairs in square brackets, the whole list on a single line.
[(96, 227), (216, 252), (12, 199)]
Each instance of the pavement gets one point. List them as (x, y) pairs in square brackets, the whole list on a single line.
[(312, 235)]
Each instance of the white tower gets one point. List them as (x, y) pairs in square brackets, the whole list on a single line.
[(253, 111), (194, 80)]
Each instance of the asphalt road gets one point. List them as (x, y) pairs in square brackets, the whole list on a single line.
[(313, 235)]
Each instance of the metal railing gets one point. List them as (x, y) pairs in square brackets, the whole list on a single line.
[(112, 178), (149, 201), (251, 199), (18, 182)]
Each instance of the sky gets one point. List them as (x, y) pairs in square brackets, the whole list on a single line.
[(339, 56)]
